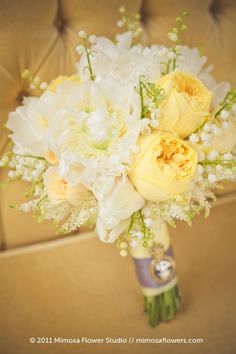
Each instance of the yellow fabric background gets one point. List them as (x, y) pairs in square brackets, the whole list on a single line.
[(77, 286)]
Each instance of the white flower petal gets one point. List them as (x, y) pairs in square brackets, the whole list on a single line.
[(120, 204), (109, 236), (219, 93)]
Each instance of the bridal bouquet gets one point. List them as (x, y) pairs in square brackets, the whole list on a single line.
[(140, 136)]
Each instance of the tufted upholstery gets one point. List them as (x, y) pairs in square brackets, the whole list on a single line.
[(41, 35)]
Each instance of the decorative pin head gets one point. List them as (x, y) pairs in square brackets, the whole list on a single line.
[(162, 268)]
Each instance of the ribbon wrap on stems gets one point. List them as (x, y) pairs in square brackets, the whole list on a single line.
[(156, 272)]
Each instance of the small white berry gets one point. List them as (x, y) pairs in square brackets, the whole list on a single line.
[(217, 131), (120, 23), (211, 178), (200, 169), (226, 125), (208, 169), (11, 174), (5, 159), (178, 47), (205, 137), (43, 85), (123, 245), (172, 36), (40, 166), (228, 156), (144, 122), (80, 49), (207, 127), (171, 55), (212, 156), (224, 114), (139, 235), (123, 253), (133, 243), (148, 222), (82, 34), (154, 123), (35, 174), (122, 9), (12, 164), (213, 126), (194, 138), (92, 39)]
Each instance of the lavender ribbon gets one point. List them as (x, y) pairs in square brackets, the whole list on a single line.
[(142, 267)]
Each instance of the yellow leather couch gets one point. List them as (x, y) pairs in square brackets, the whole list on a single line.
[(75, 286)]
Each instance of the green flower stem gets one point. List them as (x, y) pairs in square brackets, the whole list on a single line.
[(150, 93), (31, 156), (87, 51), (130, 224), (162, 307), (141, 97), (40, 201), (228, 102), (142, 225), (229, 163)]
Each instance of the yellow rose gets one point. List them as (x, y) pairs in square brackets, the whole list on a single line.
[(59, 190), (60, 79), (51, 157), (186, 105), (163, 167)]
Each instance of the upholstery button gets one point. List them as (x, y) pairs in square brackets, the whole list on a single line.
[(215, 9), (20, 96), (60, 24), (144, 15)]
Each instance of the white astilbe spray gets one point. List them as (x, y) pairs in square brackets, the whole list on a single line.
[(85, 214)]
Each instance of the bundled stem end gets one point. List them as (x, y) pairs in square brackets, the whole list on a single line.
[(162, 307)]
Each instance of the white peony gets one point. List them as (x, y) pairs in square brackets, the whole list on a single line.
[(96, 132), (29, 123), (190, 61), (121, 60)]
